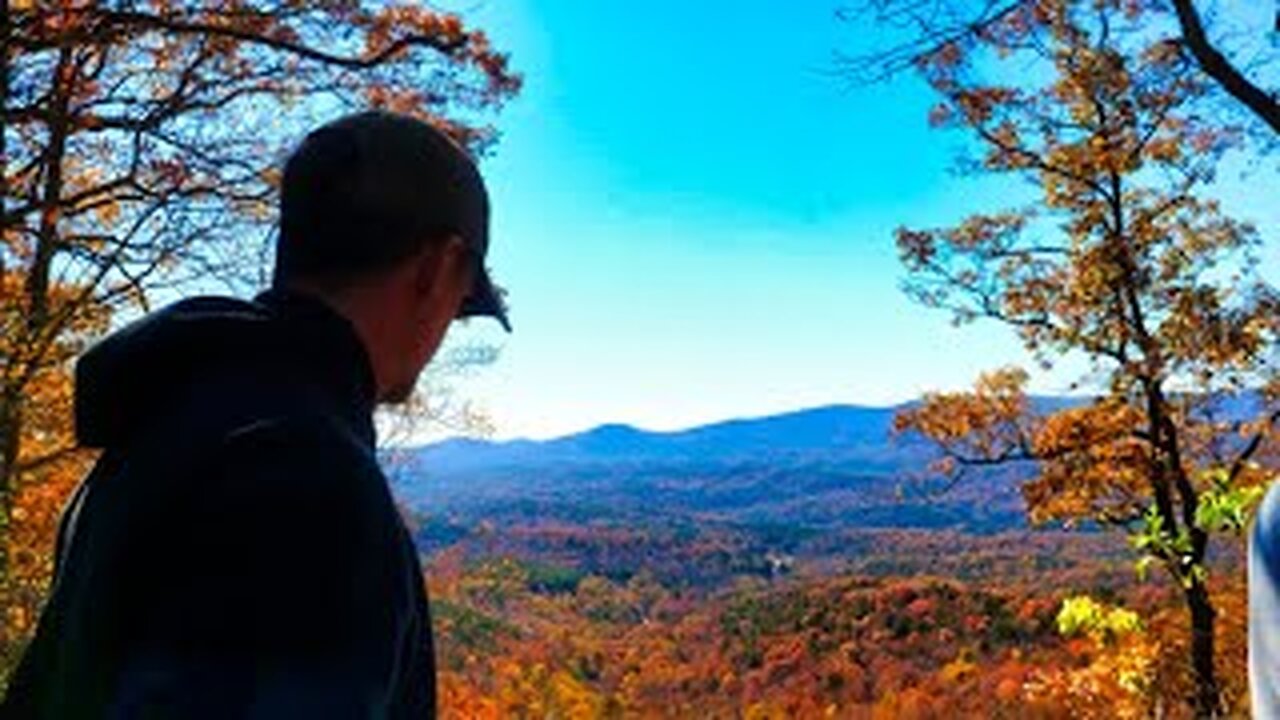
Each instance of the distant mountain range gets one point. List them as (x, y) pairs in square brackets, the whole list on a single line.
[(848, 433), (842, 430), (826, 485), (828, 467)]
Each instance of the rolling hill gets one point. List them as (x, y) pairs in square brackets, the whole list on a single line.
[(830, 467)]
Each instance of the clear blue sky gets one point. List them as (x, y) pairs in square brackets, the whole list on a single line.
[(694, 218)]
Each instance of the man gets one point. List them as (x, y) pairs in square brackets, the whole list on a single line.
[(1264, 607), (235, 552)]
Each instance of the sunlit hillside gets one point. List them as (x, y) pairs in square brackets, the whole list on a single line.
[(704, 585)]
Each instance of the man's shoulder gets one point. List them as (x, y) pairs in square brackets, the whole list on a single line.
[(1266, 524), (294, 443), (294, 475)]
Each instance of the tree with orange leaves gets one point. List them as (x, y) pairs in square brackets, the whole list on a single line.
[(1118, 259), (141, 146), (922, 27), (47, 464)]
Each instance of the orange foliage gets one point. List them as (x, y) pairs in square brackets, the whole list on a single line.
[(142, 151), (1156, 287), (812, 644), (819, 647)]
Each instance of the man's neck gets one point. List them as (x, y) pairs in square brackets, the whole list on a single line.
[(361, 310)]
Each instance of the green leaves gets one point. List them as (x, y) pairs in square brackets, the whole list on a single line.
[(1155, 543), (1223, 508), (1154, 539)]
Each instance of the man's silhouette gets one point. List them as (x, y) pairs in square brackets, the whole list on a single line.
[(235, 551), (1264, 606)]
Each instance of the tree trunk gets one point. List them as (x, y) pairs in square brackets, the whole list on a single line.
[(10, 427), (10, 421), (1208, 697)]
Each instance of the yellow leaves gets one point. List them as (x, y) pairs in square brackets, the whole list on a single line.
[(524, 691), (1118, 680), (1104, 625), (958, 671)]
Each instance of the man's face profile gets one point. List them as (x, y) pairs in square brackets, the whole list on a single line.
[(436, 283)]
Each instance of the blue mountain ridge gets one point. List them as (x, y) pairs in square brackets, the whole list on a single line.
[(848, 432), (800, 483), (816, 429), (826, 467)]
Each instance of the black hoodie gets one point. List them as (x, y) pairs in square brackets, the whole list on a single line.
[(235, 551)]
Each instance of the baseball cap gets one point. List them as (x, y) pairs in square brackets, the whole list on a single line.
[(386, 180)]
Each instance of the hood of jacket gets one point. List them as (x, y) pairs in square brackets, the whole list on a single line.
[(136, 372)]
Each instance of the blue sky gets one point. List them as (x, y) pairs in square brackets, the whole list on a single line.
[(694, 216)]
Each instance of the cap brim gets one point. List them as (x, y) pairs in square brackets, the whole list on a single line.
[(485, 300)]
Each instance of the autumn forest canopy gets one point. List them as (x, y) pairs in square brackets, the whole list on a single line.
[(985, 552)]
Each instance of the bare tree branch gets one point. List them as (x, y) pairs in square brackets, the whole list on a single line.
[(1216, 66)]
